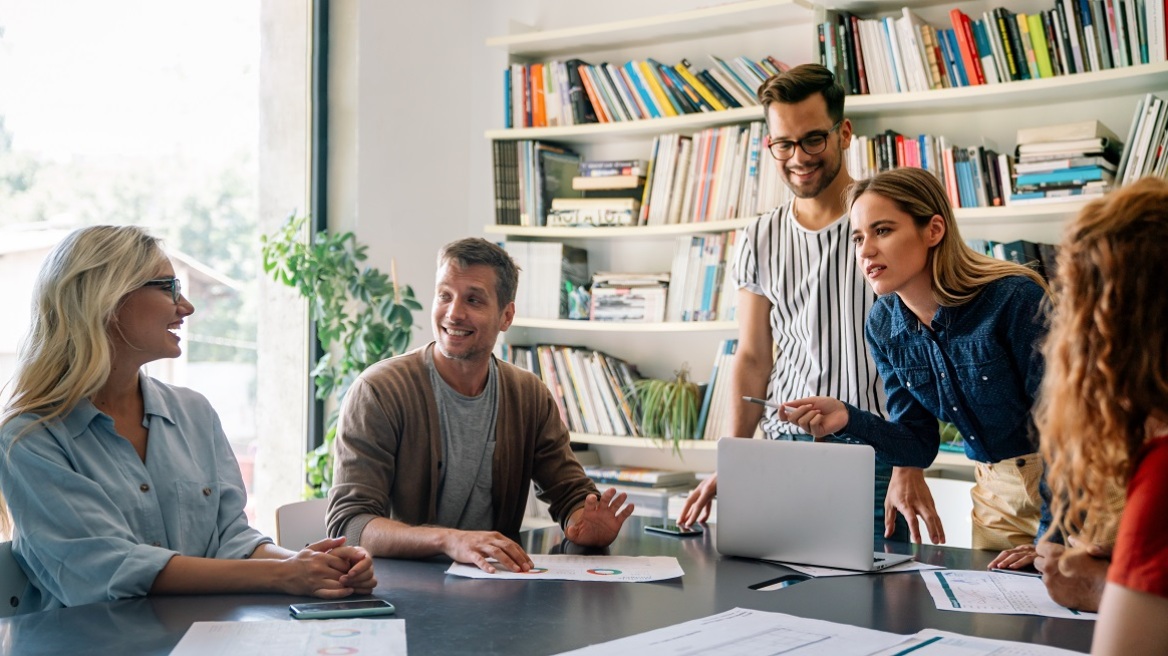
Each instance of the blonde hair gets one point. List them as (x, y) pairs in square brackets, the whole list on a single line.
[(65, 357), (959, 272), (1106, 353)]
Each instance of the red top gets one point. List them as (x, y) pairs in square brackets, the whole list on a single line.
[(1140, 561)]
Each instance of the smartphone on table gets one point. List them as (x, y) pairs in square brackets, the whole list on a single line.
[(334, 609), (672, 528)]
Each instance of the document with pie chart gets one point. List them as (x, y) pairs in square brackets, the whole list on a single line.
[(563, 567), (341, 637)]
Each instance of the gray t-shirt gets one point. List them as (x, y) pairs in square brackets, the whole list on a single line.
[(468, 452)]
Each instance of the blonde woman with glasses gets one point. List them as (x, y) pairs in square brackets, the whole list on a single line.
[(120, 485)]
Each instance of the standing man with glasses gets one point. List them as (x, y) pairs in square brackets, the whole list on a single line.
[(801, 294)]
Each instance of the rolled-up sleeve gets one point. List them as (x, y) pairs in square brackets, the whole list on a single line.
[(365, 461), (236, 538)]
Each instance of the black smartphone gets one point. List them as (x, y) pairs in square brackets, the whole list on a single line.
[(671, 528), (334, 609)]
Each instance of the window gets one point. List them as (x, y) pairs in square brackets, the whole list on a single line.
[(147, 113)]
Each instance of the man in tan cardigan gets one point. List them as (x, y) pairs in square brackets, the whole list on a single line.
[(436, 448)]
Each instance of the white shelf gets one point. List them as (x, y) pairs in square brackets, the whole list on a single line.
[(1011, 214), (586, 232), (626, 326), (732, 18), (643, 442), (1099, 84)]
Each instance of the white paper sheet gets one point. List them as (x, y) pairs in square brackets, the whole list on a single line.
[(969, 591), (563, 567), (295, 638), (930, 642), (745, 632), (819, 572)]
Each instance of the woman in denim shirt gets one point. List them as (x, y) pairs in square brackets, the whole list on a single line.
[(955, 337), (120, 485)]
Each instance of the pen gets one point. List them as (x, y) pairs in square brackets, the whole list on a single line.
[(769, 404), (1019, 572)]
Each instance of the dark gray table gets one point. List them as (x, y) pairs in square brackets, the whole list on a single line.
[(451, 615)]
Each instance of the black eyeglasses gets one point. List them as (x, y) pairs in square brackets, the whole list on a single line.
[(812, 144), (171, 285)]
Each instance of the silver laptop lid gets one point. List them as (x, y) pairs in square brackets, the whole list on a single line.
[(796, 502)]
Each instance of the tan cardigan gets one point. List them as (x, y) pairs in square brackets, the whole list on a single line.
[(389, 444)]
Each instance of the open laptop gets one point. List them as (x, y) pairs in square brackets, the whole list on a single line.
[(808, 503)]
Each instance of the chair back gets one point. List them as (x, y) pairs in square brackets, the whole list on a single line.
[(301, 523), (13, 582)]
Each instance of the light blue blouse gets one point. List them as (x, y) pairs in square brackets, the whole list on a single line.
[(93, 522)]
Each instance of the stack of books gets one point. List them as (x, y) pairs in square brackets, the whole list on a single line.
[(611, 190), (639, 476), (1069, 161), (635, 297), (1147, 142)]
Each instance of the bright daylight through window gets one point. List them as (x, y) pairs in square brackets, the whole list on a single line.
[(146, 113)]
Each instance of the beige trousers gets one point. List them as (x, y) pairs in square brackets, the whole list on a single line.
[(1006, 504)]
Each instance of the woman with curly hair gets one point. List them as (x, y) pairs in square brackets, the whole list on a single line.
[(1104, 411), (120, 485)]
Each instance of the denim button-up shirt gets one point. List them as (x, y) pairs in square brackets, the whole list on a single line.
[(95, 522), (979, 368)]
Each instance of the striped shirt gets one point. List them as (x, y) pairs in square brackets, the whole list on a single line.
[(819, 301)]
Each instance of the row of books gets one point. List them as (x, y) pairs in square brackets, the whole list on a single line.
[(1038, 256), (553, 279), (974, 176), (528, 175), (574, 92), (904, 53), (592, 390), (715, 174), (1147, 149), (715, 408), (702, 284)]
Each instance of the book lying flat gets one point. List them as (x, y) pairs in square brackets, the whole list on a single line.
[(1091, 129), (639, 476)]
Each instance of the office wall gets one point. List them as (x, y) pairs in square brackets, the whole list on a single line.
[(412, 89)]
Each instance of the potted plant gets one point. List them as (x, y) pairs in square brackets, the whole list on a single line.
[(668, 409), (362, 316)]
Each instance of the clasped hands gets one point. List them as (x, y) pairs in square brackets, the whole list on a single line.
[(331, 570), (594, 524)]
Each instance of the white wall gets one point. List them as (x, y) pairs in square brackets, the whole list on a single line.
[(402, 121)]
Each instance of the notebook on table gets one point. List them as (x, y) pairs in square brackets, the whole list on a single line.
[(808, 503)]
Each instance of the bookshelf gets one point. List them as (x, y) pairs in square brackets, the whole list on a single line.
[(986, 114)]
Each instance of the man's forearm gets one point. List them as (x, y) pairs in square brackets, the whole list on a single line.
[(751, 375), (389, 538)]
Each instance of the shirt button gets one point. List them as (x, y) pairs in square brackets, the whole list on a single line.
[(908, 384), (972, 438), (954, 408), (156, 544), (206, 491), (144, 487), (942, 374), (985, 377)]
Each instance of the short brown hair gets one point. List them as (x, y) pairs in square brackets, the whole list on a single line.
[(476, 250), (800, 83)]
